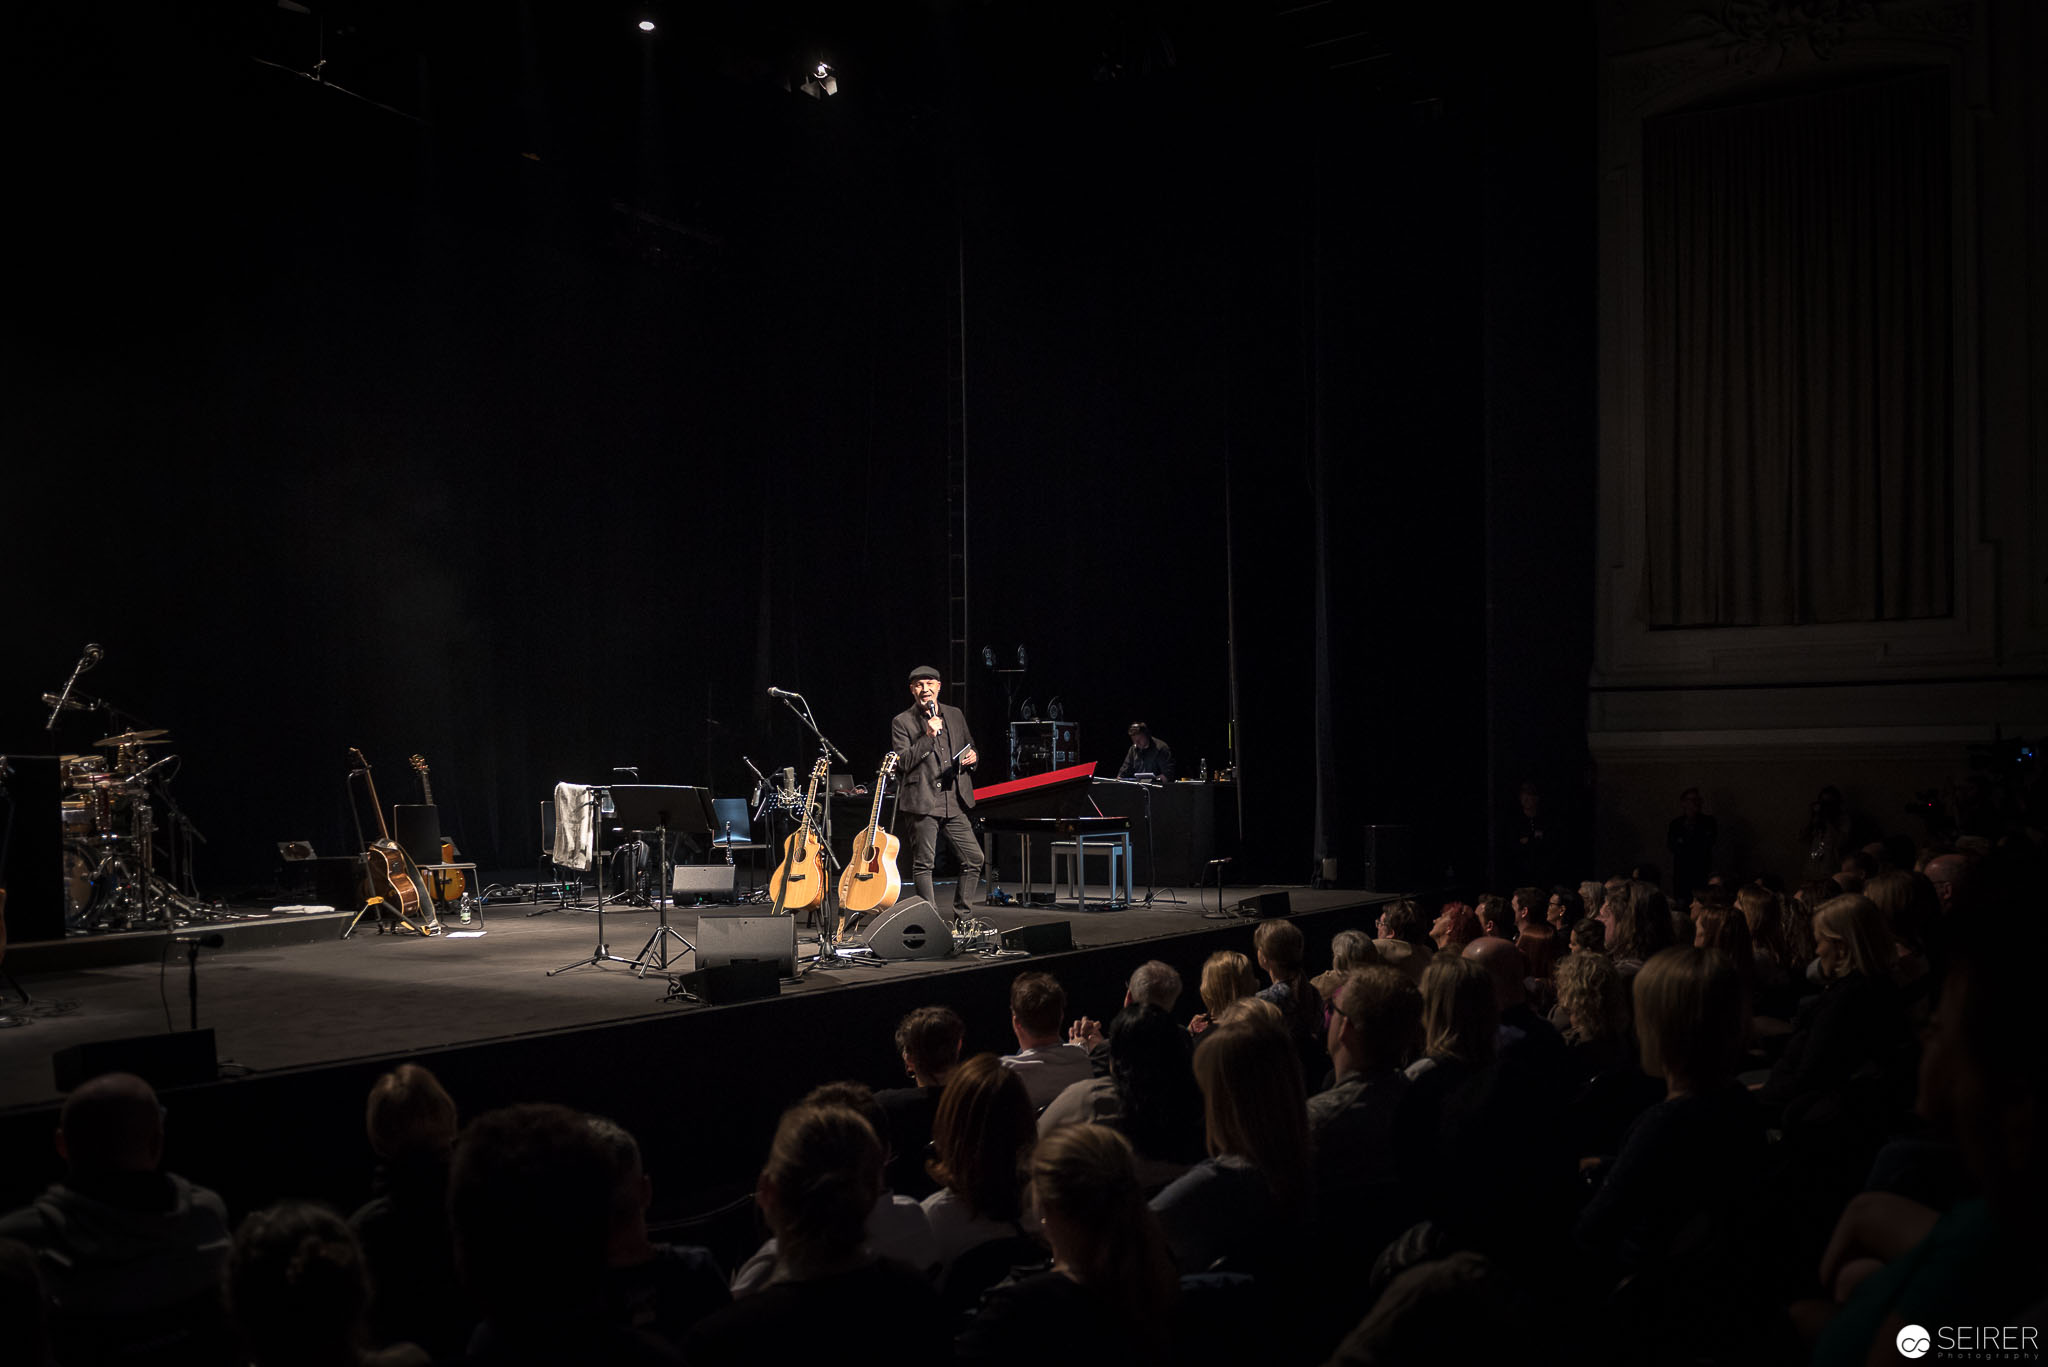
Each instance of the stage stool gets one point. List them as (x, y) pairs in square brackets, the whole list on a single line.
[(472, 899), (1075, 851)]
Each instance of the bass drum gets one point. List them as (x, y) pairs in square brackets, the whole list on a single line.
[(93, 884)]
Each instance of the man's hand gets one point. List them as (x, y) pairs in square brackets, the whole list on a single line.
[(968, 756), (1199, 1023), (934, 724), (1085, 1032)]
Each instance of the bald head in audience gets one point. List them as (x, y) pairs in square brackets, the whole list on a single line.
[(1950, 874), (1504, 964), (112, 1124)]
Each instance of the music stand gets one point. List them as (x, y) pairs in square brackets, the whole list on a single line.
[(602, 955), (668, 809)]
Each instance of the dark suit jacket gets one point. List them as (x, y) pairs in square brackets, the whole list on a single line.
[(926, 765)]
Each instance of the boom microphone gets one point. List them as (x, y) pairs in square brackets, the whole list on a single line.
[(782, 693)]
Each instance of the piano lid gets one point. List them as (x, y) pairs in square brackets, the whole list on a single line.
[(1063, 792)]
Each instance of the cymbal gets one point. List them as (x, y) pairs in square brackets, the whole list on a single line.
[(157, 737)]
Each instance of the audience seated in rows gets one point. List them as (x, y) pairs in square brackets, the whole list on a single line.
[(1402, 938), (131, 1257), (1375, 1028), (1152, 983), (1280, 951), (1150, 1095)]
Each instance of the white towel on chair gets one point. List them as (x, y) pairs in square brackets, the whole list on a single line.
[(575, 824)]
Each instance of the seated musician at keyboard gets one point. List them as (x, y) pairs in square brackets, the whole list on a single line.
[(1148, 759)]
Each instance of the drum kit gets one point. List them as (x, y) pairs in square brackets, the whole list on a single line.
[(108, 809)]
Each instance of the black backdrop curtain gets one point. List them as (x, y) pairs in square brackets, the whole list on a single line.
[(1798, 463)]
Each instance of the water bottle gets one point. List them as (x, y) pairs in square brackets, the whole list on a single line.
[(1205, 768)]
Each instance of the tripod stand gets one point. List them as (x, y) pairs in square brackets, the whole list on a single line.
[(596, 797)]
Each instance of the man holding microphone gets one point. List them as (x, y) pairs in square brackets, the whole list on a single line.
[(936, 791)]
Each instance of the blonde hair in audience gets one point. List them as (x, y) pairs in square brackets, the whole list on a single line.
[(1226, 976), (1761, 908), (1594, 997), (1856, 921), (1460, 1016)]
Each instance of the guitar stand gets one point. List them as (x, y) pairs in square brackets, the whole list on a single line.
[(384, 913)]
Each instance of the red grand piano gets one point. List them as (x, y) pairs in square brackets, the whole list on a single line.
[(1056, 805)]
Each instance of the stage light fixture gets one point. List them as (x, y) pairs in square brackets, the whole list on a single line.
[(1056, 710), (1028, 710), (821, 81), (988, 657), (647, 26)]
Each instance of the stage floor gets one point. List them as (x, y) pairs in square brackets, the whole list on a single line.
[(324, 1001)]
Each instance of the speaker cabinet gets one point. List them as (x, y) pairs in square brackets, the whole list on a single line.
[(1045, 937), (735, 982), (1267, 904), (912, 929), (34, 872), (704, 880), (743, 937)]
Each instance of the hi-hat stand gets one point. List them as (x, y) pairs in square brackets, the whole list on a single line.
[(597, 797)]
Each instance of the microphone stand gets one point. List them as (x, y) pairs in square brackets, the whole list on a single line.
[(828, 903), (91, 656)]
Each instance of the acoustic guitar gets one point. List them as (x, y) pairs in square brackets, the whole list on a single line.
[(799, 878), (449, 885), (393, 875), (871, 881)]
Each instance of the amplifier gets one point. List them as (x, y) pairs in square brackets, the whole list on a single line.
[(1046, 937)]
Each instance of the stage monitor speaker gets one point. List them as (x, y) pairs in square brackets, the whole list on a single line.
[(912, 929), (1046, 937), (734, 982), (745, 937), (1266, 904), (1390, 859), (706, 880), (160, 1060)]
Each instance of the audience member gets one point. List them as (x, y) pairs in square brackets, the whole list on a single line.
[(1109, 1295), (1456, 926), (817, 1191), (1857, 1022), (1044, 1061), (1591, 895), (1226, 976), (1154, 982), (1375, 1030), (407, 1247), (1565, 908), (299, 1293), (657, 1289), (1455, 1308), (1402, 938), (130, 1255), (1590, 937), (1150, 1095), (1529, 905), (928, 1040), (1684, 1160), (1983, 1079), (1602, 1063), (1762, 911), (1638, 921), (1244, 1203), (1349, 950), (530, 1197), (1950, 874), (1496, 917), (981, 1140), (1280, 949), (1541, 948)]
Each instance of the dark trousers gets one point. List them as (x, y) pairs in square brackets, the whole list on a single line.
[(924, 842)]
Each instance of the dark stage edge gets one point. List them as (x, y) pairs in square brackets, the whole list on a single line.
[(309, 1025)]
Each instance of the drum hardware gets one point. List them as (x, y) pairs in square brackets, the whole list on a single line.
[(91, 656), (160, 736)]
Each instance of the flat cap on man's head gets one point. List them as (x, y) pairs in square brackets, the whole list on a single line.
[(925, 672)]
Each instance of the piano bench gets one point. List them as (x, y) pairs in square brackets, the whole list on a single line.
[(1071, 855)]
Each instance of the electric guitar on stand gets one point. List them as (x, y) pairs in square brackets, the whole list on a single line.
[(393, 876), (871, 881), (799, 878), (449, 885)]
